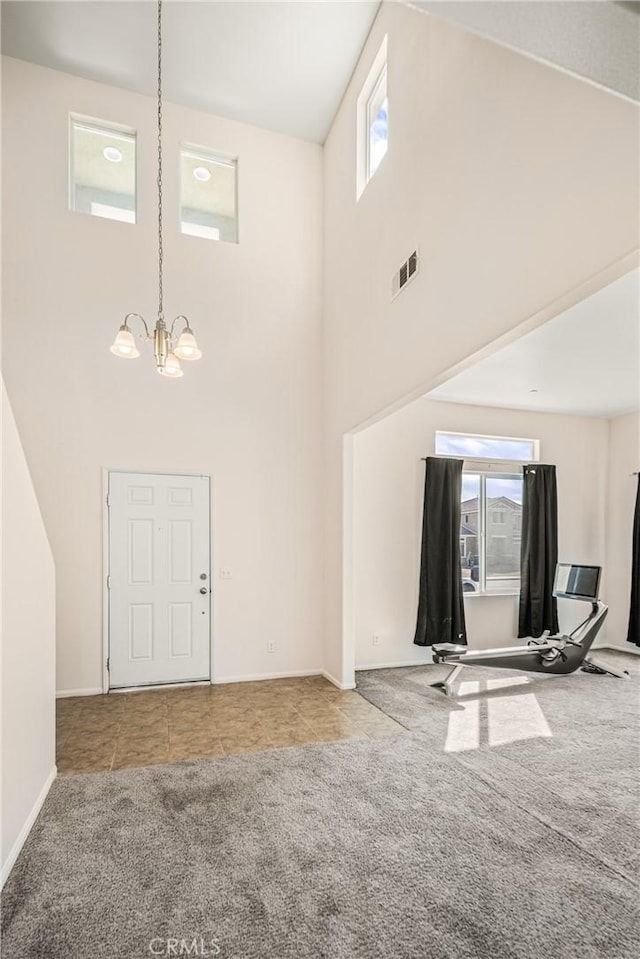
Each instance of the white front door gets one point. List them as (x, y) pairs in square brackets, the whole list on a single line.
[(159, 579)]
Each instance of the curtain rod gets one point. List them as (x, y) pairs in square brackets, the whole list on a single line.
[(478, 459), (425, 458)]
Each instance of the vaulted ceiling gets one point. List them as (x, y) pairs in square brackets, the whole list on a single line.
[(279, 65), (284, 65)]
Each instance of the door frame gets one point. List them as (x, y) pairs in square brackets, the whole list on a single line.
[(106, 471)]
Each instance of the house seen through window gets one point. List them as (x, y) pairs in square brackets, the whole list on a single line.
[(490, 509)]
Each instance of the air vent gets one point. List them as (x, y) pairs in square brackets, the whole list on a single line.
[(406, 272)]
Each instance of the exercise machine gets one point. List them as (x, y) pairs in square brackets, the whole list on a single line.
[(557, 655)]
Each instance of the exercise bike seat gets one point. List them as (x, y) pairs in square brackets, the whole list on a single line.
[(448, 649)]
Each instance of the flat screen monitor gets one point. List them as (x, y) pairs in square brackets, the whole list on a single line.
[(577, 582)]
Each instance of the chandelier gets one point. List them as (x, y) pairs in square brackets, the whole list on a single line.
[(177, 342)]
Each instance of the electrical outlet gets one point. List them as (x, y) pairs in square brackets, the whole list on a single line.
[(375, 640), (225, 572), (271, 646)]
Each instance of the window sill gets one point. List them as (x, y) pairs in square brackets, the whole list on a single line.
[(503, 592)]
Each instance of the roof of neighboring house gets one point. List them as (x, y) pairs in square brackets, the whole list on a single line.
[(467, 531), (471, 505)]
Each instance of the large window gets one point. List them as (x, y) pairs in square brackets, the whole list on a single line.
[(208, 195), (490, 531), (373, 120), (102, 170), (490, 509)]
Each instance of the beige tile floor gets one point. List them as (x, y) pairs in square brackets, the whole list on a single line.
[(124, 730)]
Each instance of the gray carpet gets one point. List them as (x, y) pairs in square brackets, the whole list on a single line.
[(582, 779), (522, 849)]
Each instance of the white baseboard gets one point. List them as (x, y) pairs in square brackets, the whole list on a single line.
[(219, 680), (66, 693), (397, 665), (628, 648), (26, 829), (332, 679), (257, 677)]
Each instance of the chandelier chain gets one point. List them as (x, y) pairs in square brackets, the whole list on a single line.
[(160, 248), (167, 347)]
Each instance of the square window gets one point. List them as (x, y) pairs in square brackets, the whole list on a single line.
[(208, 195), (102, 170)]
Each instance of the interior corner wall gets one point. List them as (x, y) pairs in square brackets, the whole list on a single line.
[(623, 463), (249, 413), (499, 169), (28, 648), (388, 500)]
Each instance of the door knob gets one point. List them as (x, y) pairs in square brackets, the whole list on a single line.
[(204, 590)]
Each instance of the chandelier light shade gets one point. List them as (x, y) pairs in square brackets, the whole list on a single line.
[(124, 344), (171, 367), (172, 344), (187, 348)]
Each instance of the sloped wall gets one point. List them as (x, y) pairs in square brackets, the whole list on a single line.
[(28, 648)]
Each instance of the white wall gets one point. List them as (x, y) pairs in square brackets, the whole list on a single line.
[(28, 648), (624, 460), (388, 498), (517, 182), (248, 413)]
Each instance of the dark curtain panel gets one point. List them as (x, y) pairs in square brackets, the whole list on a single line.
[(538, 551), (440, 606), (633, 633)]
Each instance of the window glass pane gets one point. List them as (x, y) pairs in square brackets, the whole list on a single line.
[(208, 196), (503, 532), (103, 172), (485, 447), (470, 533), (378, 123)]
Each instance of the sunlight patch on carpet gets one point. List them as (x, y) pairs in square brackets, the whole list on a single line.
[(494, 721)]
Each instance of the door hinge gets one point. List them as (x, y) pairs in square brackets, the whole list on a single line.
[(108, 663), (109, 581), (108, 500)]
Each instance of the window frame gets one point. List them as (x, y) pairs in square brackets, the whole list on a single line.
[(378, 73), (371, 119), (497, 460), (209, 155), (112, 129), (484, 470)]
